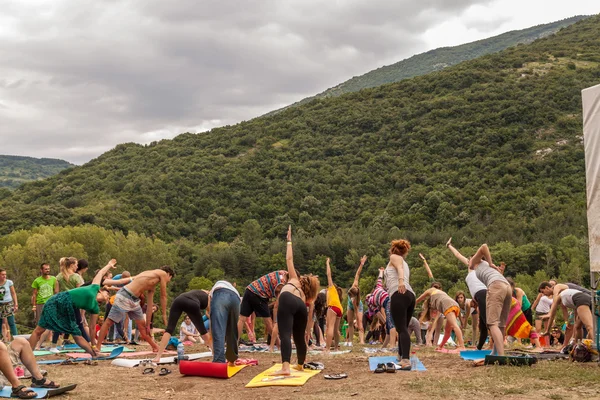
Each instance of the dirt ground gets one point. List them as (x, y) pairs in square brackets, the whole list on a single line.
[(447, 377)]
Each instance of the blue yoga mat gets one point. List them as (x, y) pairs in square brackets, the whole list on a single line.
[(474, 354), (373, 361), (41, 393), (114, 354)]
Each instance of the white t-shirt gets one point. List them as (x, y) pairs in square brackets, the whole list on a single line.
[(5, 295), (544, 305), (223, 285), (474, 284), (190, 328)]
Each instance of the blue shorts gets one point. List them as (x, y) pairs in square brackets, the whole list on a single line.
[(351, 305), (126, 303)]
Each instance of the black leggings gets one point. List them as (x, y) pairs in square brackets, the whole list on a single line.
[(483, 330), (402, 307), (186, 305), (291, 319)]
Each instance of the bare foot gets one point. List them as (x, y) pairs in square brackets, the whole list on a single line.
[(155, 349), (281, 372), (156, 360), (298, 367), (231, 364), (478, 363)]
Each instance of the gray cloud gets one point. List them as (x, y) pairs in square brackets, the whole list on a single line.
[(79, 77)]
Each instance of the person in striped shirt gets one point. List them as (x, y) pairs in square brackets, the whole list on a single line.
[(256, 298), (378, 300)]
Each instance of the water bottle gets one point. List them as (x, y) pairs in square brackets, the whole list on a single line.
[(180, 351), (413, 361)]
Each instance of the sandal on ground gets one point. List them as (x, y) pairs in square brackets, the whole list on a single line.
[(381, 368), (390, 367), (90, 362), (148, 370), (22, 392), (44, 383), (164, 371), (68, 361), (405, 367), (336, 376), (317, 366)]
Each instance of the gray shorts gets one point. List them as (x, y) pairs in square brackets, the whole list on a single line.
[(582, 299), (126, 304)]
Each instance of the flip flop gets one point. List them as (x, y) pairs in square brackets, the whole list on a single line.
[(164, 371), (390, 367), (317, 366), (148, 371), (380, 368), (336, 376)]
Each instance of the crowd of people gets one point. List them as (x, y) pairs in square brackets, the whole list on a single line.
[(294, 308)]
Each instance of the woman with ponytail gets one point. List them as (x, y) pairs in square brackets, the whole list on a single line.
[(402, 297), (296, 295)]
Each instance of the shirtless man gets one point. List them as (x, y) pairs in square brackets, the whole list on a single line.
[(127, 302)]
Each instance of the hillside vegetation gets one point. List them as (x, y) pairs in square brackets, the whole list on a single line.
[(15, 170), (438, 59), (489, 150)]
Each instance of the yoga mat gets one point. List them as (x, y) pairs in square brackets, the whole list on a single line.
[(132, 354), (448, 351), (77, 349), (114, 354), (208, 369), (297, 378), (373, 361), (331, 353), (123, 362), (474, 354), (509, 360), (41, 393)]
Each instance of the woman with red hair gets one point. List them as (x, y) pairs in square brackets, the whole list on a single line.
[(402, 297)]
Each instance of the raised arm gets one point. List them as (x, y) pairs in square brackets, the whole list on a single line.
[(482, 252), (456, 253), (426, 266), (98, 278), (360, 267), (289, 256), (329, 280)]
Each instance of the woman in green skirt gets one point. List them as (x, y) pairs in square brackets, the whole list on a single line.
[(59, 311)]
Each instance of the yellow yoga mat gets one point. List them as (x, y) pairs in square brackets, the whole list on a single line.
[(266, 378)]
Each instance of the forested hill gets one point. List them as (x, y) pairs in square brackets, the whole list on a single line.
[(490, 149), (437, 59), (14, 170)]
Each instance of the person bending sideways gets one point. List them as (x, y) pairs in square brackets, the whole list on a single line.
[(436, 302), (59, 311), (192, 303), (296, 295), (127, 302), (257, 296), (402, 297), (224, 311), (334, 312), (499, 296), (574, 299)]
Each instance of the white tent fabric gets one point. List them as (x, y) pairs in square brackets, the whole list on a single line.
[(591, 140)]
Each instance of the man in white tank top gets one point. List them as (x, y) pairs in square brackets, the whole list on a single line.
[(574, 299)]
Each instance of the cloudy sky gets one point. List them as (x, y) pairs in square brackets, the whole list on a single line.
[(78, 77)]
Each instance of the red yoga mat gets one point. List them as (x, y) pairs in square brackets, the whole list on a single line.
[(208, 369)]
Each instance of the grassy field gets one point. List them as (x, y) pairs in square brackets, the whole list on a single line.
[(447, 377)]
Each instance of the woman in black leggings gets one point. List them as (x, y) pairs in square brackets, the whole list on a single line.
[(191, 303), (292, 316), (402, 303)]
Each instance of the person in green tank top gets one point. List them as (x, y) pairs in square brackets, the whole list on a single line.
[(59, 311)]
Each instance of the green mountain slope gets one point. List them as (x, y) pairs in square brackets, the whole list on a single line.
[(489, 149), (15, 170), (440, 58)]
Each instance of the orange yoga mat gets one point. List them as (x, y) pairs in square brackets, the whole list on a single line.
[(208, 369)]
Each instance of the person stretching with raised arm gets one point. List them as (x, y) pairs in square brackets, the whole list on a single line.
[(334, 312), (296, 295), (355, 307), (437, 301), (478, 292), (499, 296)]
